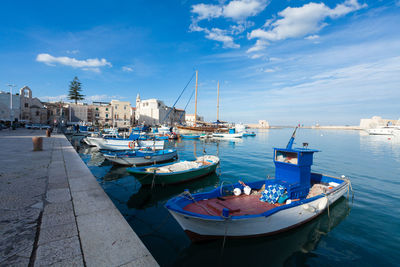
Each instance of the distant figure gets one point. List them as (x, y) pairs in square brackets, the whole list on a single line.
[(171, 129), (77, 128)]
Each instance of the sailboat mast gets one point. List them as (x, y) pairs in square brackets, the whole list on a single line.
[(195, 100), (218, 104)]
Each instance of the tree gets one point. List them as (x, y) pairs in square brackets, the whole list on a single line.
[(75, 90)]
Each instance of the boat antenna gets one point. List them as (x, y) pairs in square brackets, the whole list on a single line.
[(290, 144)]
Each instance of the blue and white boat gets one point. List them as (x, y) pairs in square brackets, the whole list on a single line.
[(132, 142), (231, 134), (190, 136), (294, 197), (246, 133), (141, 157)]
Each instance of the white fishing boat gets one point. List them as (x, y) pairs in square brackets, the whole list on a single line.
[(230, 134), (141, 157), (385, 130), (294, 197), (124, 144)]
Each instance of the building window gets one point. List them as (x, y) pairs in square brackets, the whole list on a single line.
[(97, 108), (116, 106), (106, 109), (26, 105), (125, 107), (106, 115), (37, 113)]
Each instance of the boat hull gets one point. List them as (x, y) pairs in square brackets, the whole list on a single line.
[(122, 144), (199, 229), (383, 131), (228, 135), (146, 178), (140, 161)]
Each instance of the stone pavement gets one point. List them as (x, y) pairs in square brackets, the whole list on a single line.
[(54, 213)]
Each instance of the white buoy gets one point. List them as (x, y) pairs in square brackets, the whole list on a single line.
[(247, 190), (237, 191)]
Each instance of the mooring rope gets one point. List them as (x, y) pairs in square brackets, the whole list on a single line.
[(188, 195)]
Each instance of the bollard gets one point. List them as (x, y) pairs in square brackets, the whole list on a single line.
[(48, 133), (37, 143)]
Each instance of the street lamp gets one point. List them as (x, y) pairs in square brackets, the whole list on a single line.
[(11, 105)]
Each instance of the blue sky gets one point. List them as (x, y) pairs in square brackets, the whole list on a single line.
[(288, 62)]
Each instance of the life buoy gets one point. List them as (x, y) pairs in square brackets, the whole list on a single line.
[(131, 145)]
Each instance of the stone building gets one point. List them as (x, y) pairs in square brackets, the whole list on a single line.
[(78, 113), (57, 112), (155, 112), (5, 101), (121, 113), (32, 109), (102, 113), (377, 121)]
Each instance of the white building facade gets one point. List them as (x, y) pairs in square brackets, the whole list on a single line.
[(5, 106), (155, 112)]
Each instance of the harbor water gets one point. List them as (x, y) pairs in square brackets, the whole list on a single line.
[(364, 230)]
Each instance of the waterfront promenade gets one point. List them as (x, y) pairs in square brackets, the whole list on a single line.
[(54, 213)]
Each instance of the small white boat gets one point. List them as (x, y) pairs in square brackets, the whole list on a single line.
[(266, 207), (384, 130), (228, 135), (141, 157), (123, 144)]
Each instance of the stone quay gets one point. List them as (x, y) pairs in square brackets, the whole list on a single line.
[(53, 212)]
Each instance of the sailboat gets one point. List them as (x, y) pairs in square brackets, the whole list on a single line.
[(199, 126)]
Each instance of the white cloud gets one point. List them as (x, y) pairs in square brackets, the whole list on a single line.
[(269, 70), (204, 11), (72, 51), (241, 9), (221, 36), (236, 10), (312, 37), (255, 56), (53, 98), (127, 69), (260, 45), (301, 21), (91, 64)]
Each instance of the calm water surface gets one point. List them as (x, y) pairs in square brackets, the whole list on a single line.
[(365, 231)]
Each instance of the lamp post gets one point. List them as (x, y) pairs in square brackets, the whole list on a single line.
[(11, 105)]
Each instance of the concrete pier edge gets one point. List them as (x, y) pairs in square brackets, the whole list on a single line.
[(53, 212)]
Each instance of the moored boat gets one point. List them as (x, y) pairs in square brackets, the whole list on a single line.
[(124, 144), (174, 173), (384, 130), (249, 134), (190, 136), (294, 197), (141, 157)]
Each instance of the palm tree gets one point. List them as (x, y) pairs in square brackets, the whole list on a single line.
[(75, 90)]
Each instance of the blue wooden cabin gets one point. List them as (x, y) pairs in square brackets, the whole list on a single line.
[(293, 170)]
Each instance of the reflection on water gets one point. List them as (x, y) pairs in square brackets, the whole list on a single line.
[(266, 251), (369, 234), (147, 197)]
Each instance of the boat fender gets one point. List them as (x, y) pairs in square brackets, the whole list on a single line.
[(289, 201), (237, 191), (247, 190), (322, 204), (131, 145)]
